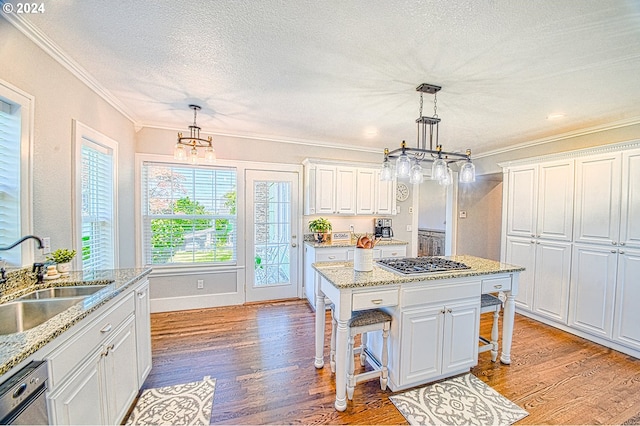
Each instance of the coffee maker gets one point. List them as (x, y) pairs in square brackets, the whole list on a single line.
[(382, 228)]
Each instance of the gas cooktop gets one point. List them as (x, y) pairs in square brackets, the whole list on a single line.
[(421, 265)]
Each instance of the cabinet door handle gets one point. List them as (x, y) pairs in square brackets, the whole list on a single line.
[(613, 251), (621, 252), (107, 328), (442, 311), (449, 311), (376, 301), (142, 294), (621, 243)]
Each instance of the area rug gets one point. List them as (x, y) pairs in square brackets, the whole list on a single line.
[(186, 404), (462, 400)]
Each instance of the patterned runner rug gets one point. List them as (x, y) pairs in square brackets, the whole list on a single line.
[(186, 404), (462, 400)]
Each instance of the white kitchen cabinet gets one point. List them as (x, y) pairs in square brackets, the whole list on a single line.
[(540, 203), (345, 190), (597, 214), (593, 280), (332, 188), (544, 284), (366, 191), (385, 195), (438, 339), (325, 190), (143, 330), (630, 200), (627, 315), (102, 387)]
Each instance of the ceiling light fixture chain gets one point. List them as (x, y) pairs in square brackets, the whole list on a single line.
[(194, 141), (408, 160)]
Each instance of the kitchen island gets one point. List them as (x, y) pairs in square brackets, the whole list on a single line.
[(435, 325)]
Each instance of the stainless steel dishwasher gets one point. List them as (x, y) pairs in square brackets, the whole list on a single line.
[(22, 397)]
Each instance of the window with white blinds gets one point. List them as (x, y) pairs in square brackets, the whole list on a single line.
[(98, 211), (189, 214), (10, 220)]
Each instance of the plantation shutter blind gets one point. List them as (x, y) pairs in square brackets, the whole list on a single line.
[(189, 214), (97, 207), (10, 225)]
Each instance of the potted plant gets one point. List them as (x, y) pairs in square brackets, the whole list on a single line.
[(320, 227), (62, 257)]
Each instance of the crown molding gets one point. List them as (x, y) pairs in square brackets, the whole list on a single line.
[(573, 134), (34, 34)]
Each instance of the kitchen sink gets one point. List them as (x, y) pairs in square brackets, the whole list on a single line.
[(23, 315), (63, 292)]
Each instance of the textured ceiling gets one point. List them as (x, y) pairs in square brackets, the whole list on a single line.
[(344, 71)]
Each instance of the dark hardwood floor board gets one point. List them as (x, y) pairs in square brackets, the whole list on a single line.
[(262, 358)]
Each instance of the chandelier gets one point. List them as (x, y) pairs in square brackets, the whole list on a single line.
[(193, 142), (408, 160)]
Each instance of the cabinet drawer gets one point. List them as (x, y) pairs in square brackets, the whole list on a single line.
[(493, 285), (431, 293), (374, 299), (394, 251), (67, 357), (331, 256)]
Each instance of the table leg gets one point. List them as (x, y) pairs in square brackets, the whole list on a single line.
[(341, 365), (507, 327), (320, 324)]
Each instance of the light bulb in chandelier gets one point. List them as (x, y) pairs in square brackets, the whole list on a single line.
[(179, 153), (438, 169), (193, 155), (415, 175), (210, 155), (403, 166), (386, 171), (467, 172), (447, 178)]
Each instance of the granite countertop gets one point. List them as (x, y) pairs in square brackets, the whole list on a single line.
[(16, 347), (342, 274), (384, 242)]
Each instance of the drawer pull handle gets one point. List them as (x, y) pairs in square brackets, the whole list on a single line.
[(332, 257), (497, 286), (107, 328), (395, 253), (376, 301)]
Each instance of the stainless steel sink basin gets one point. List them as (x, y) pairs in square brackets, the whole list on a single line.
[(23, 315), (58, 292)]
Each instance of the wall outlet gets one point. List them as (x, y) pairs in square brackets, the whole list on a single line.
[(200, 284), (463, 214), (46, 243), (410, 210), (351, 229)]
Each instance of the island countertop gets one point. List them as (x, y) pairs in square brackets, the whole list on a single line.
[(342, 274), (16, 347)]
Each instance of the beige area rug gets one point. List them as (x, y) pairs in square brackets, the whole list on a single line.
[(186, 404), (462, 400)]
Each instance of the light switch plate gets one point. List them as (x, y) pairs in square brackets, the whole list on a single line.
[(463, 214)]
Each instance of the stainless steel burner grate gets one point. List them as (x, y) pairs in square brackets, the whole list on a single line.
[(421, 265)]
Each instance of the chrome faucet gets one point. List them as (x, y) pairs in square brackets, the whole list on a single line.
[(3, 278)]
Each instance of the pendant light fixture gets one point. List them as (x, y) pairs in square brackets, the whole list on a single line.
[(408, 160), (187, 146)]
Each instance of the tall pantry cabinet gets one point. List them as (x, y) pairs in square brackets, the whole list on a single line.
[(574, 223)]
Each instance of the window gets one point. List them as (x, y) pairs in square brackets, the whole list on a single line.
[(15, 175), (189, 214), (97, 231)]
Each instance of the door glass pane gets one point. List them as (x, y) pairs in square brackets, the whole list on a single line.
[(272, 236)]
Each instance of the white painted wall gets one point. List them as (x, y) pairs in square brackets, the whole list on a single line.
[(60, 97)]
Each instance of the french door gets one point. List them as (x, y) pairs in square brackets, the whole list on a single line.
[(272, 246)]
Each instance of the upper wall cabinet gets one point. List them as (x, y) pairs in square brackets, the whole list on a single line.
[(540, 203), (630, 205), (334, 189)]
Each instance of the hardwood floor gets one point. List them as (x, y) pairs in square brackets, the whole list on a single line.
[(262, 358)]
